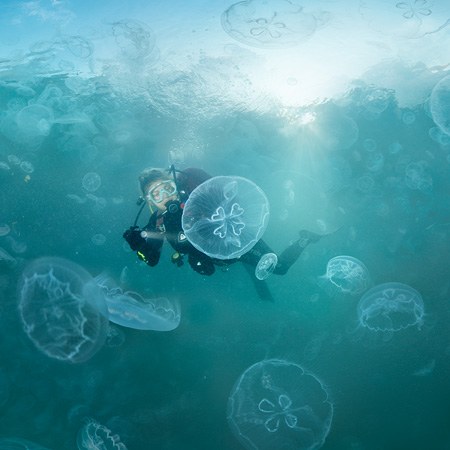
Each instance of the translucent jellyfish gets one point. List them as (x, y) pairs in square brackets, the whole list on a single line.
[(135, 39), (17, 246), (377, 101), (266, 265), (94, 436), (224, 217), (19, 444), (78, 46), (276, 404), (395, 148), (408, 117), (26, 167), (407, 19), (5, 167), (347, 275), (365, 184), (91, 181), (391, 307), (370, 145), (4, 229), (440, 104), (14, 160), (129, 309), (63, 311), (374, 161), (268, 23), (417, 176), (98, 239), (35, 120)]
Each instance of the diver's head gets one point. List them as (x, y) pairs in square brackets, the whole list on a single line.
[(158, 187)]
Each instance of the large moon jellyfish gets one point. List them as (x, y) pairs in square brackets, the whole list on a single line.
[(276, 404), (224, 217), (62, 309)]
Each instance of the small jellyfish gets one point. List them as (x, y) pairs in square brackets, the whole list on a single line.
[(276, 404), (347, 275), (98, 239), (4, 229), (26, 167), (35, 121), (62, 309), (78, 46), (369, 145), (365, 184), (224, 217), (94, 436), (417, 176), (91, 181), (14, 160), (395, 148), (266, 265), (408, 117), (134, 38), (374, 161)]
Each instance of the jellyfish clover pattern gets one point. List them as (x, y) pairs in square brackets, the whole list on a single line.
[(62, 309), (391, 307), (277, 404), (269, 23), (225, 216)]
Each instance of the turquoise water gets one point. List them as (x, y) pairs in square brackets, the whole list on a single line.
[(339, 111)]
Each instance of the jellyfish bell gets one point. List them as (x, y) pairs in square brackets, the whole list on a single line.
[(345, 275), (62, 309), (266, 266), (387, 310), (225, 216), (129, 309), (276, 404)]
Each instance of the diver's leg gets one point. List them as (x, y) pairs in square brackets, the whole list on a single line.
[(293, 252)]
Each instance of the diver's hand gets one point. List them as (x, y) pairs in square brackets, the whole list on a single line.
[(134, 238)]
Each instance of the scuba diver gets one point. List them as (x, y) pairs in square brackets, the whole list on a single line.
[(165, 192)]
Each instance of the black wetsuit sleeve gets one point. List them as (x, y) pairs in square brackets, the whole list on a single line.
[(200, 262), (148, 249)]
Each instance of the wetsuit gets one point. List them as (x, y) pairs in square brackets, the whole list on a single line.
[(168, 225)]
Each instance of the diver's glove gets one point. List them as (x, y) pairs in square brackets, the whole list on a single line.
[(134, 238), (172, 216)]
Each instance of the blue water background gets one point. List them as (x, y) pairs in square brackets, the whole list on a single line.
[(329, 127)]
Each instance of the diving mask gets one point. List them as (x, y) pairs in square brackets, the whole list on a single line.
[(160, 191)]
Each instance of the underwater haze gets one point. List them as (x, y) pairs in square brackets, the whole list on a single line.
[(339, 111)]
